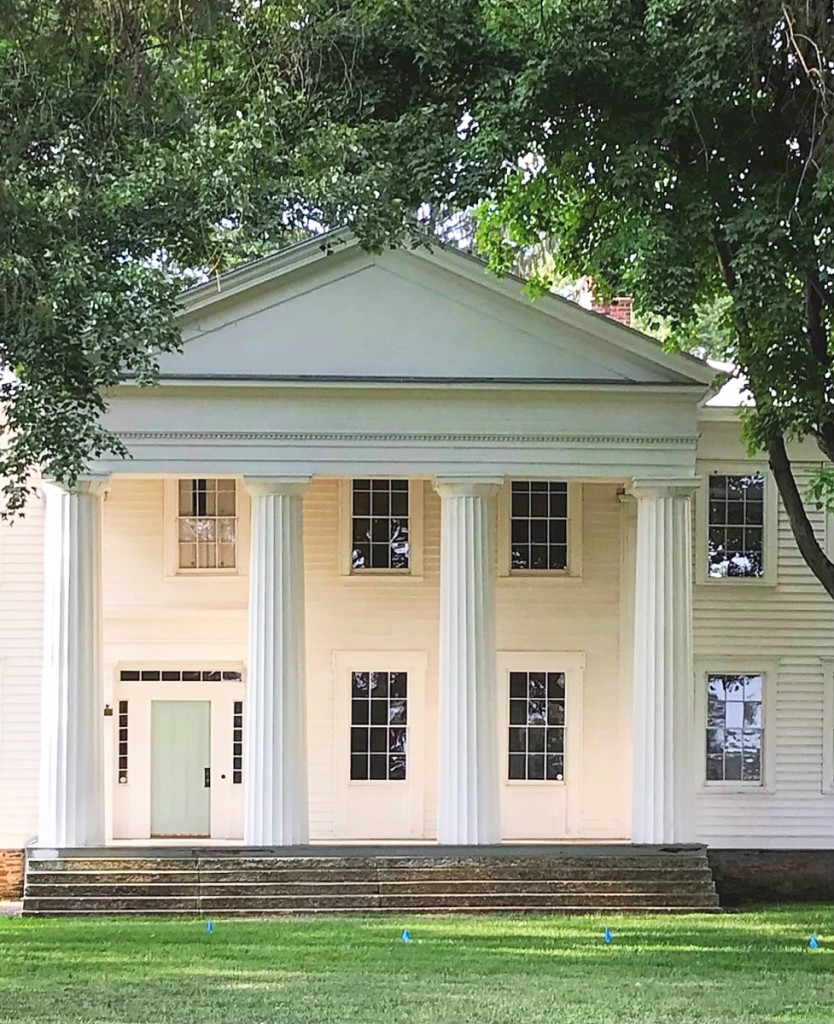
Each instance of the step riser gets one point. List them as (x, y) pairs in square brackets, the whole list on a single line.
[(370, 888)]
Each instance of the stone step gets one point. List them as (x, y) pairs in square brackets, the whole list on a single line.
[(58, 886), (263, 886), (290, 874), (442, 903)]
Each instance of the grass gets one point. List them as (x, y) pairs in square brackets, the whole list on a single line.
[(748, 967)]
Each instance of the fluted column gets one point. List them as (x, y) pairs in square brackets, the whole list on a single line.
[(71, 804), (275, 723), (663, 720), (468, 772)]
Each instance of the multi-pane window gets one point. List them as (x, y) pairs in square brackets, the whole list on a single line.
[(734, 728), (237, 742), (539, 525), (207, 520), (537, 726), (379, 524), (378, 725), (122, 742), (736, 526), (176, 675)]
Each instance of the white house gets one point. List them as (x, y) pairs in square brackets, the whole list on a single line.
[(401, 555)]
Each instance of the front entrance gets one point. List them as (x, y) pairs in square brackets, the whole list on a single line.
[(180, 768)]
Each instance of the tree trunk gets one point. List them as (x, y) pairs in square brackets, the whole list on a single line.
[(810, 549)]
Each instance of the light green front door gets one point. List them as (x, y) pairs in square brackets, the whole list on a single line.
[(180, 766)]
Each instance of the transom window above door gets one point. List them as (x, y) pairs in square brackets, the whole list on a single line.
[(207, 524), (538, 525), (380, 525), (378, 726)]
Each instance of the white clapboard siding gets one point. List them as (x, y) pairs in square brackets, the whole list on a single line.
[(791, 625), (21, 643)]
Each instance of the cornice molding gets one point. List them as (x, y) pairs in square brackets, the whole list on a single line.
[(578, 440)]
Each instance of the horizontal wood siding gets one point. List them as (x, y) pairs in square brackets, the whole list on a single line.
[(792, 625), (21, 653)]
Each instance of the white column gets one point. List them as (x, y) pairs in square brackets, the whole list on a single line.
[(663, 699), (468, 780), (71, 803), (275, 722)]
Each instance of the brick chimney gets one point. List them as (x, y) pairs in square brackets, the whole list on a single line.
[(618, 309)]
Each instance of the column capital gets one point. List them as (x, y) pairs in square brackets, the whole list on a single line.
[(659, 487), (287, 486), (88, 483), (467, 487)]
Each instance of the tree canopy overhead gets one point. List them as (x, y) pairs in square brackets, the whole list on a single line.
[(681, 151)]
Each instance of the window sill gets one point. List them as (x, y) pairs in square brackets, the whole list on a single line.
[(757, 582), (536, 783), (382, 575), (197, 574), (735, 788)]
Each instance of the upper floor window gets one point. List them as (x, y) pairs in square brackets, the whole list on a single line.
[(379, 524), (207, 524), (538, 525), (736, 526)]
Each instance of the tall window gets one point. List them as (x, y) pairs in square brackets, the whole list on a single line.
[(734, 728), (539, 525), (379, 524), (736, 526), (537, 726), (378, 725), (207, 524)]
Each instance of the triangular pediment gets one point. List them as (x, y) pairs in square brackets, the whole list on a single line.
[(334, 312)]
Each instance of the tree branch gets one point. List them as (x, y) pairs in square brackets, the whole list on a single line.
[(814, 324), (819, 564)]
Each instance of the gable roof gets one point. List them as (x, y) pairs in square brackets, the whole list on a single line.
[(325, 311)]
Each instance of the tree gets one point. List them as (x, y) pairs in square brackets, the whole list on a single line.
[(681, 151), (134, 152)]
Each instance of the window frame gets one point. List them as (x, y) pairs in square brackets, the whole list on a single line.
[(572, 663), (416, 487), (768, 669), (574, 566), (171, 508), (414, 665), (770, 513)]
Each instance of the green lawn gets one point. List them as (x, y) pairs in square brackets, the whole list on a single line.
[(731, 968)]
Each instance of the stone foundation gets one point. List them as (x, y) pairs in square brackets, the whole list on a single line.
[(11, 874), (773, 876)]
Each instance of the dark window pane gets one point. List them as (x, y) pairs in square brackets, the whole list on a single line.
[(152, 677), (379, 740), (129, 676), (379, 765), (555, 741), (397, 712), (555, 684), (518, 712), (191, 677), (516, 766), (379, 684), (535, 741), (396, 767), (358, 766), (171, 677), (715, 767), (535, 766), (538, 506), (399, 505), (555, 767), (518, 684), (379, 712), (359, 710), (396, 741), (751, 766), (538, 684), (398, 684), (358, 740), (518, 739), (360, 684), (732, 767)]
